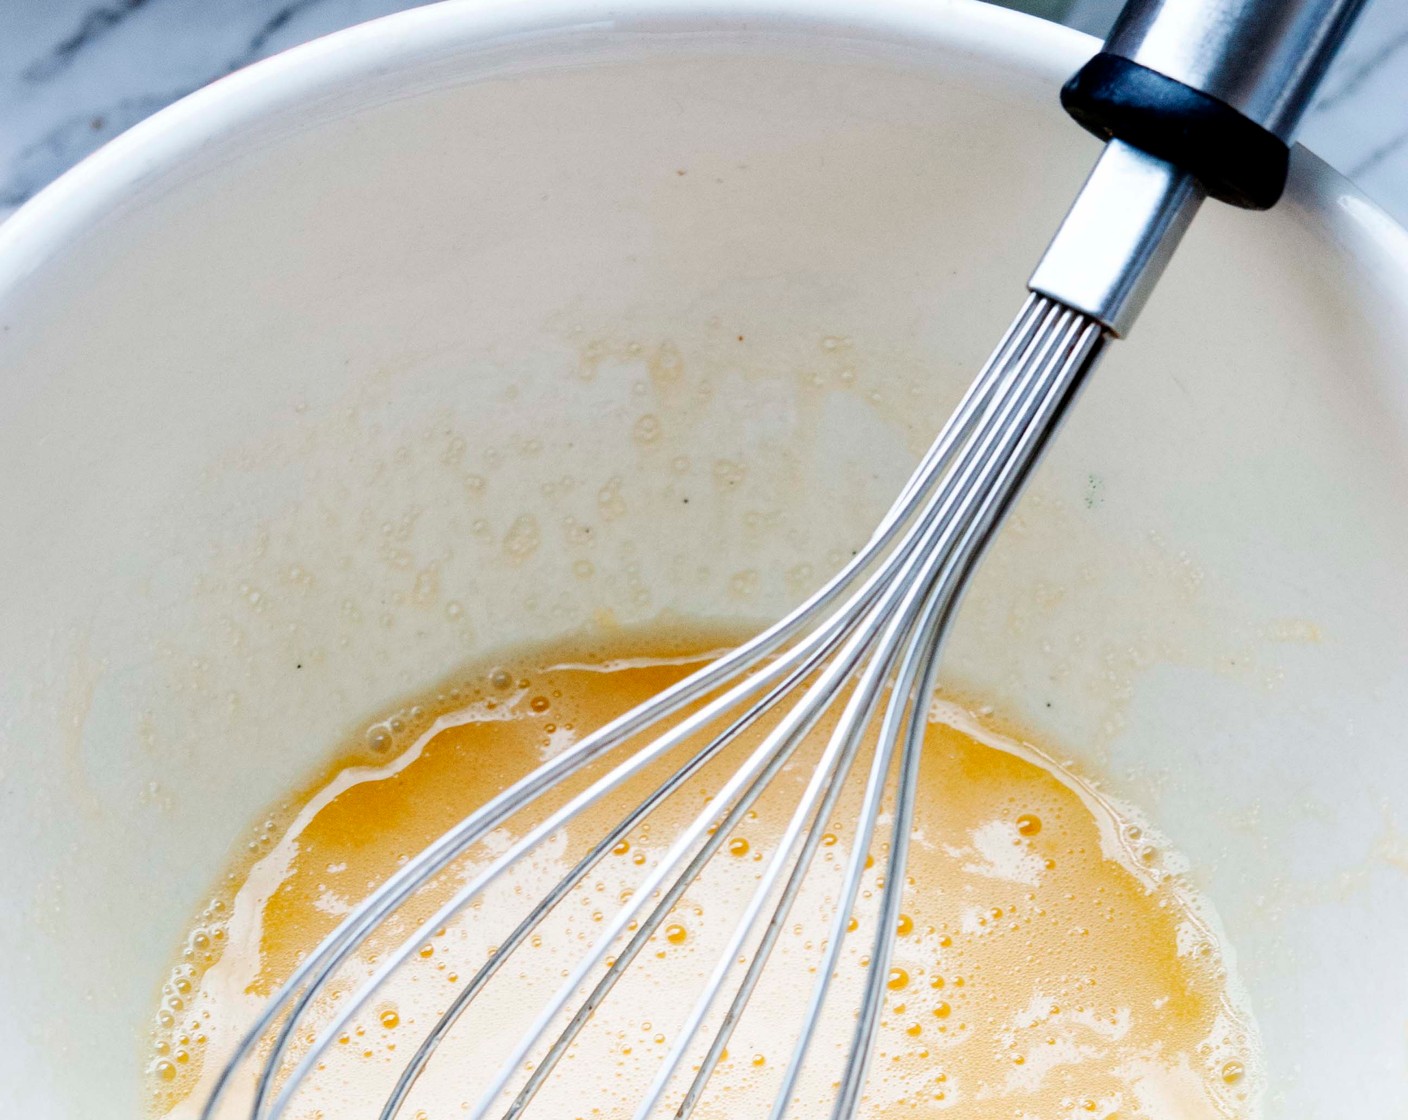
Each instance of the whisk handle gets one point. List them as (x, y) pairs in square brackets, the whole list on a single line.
[(1214, 87), (1194, 98)]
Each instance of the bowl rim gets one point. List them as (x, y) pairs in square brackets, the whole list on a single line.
[(79, 199)]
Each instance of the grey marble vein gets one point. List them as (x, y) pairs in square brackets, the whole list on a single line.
[(65, 143), (271, 27), (92, 28), (74, 73), (1376, 158), (1345, 83)]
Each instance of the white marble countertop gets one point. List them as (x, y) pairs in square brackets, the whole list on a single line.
[(74, 73)]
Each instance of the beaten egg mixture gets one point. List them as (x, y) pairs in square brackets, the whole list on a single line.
[(1050, 962)]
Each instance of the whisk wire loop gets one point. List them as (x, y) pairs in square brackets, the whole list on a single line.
[(871, 636), (879, 639), (1056, 373), (298, 992)]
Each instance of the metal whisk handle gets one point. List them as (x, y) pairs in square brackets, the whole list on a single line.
[(1216, 87), (1195, 98)]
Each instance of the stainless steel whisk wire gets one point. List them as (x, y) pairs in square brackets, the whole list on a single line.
[(1194, 98), (990, 443)]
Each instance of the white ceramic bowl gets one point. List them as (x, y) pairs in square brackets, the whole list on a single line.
[(310, 384)]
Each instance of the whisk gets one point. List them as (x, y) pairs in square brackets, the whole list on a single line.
[(1195, 98)]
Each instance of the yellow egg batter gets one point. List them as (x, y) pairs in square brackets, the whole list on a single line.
[(1049, 963)]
